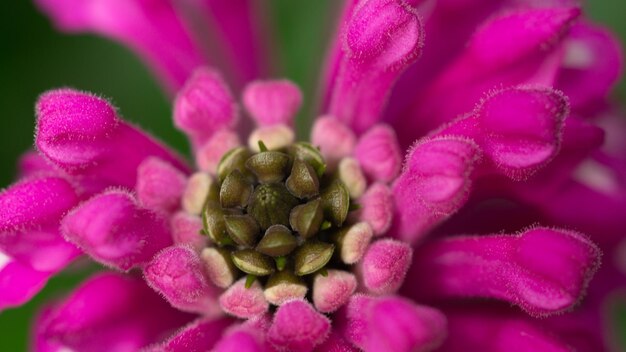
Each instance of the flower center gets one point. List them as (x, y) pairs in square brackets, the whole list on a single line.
[(277, 216)]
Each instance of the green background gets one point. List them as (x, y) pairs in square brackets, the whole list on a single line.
[(34, 58)]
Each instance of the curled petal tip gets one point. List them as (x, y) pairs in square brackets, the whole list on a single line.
[(385, 265), (244, 302), (272, 102), (297, 326)]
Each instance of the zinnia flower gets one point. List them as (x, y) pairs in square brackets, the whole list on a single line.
[(455, 189)]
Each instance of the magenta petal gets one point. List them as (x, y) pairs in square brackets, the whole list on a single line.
[(30, 211), (186, 230), (198, 336), (379, 154), (204, 105), (519, 129), (160, 186), (542, 270), (244, 302), (108, 312), (377, 208), (336, 343), (435, 183), (381, 39), (334, 139), (298, 327), (81, 134), (178, 274), (32, 163), (18, 282), (248, 336), (392, 324), (115, 231), (591, 66), (384, 265), (150, 27), (272, 102)]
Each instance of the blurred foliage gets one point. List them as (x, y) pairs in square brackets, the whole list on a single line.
[(35, 58)]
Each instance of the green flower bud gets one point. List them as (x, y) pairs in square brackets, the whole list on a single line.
[(269, 167), (284, 286), (303, 181), (214, 225), (235, 191), (271, 204), (252, 262), (277, 241), (235, 159), (308, 153), (306, 219), (312, 256), (336, 202), (243, 229)]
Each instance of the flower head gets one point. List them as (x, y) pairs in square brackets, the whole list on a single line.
[(342, 240)]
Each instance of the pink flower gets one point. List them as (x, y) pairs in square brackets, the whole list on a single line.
[(337, 245)]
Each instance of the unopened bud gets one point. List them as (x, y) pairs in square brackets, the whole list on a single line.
[(309, 154), (269, 166), (242, 229), (196, 192), (277, 241), (235, 191), (271, 204), (252, 262), (352, 241), (284, 286), (214, 225), (306, 219), (233, 160), (312, 256), (303, 182), (274, 137), (220, 268), (351, 175), (336, 202)]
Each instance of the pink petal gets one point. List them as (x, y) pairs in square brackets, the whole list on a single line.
[(381, 39), (150, 27), (332, 291), (186, 230), (81, 134), (272, 102), (244, 302), (200, 335), (592, 65), (392, 324), (178, 274), (32, 163), (204, 105), (334, 139), (336, 343), (18, 282), (519, 129), (385, 265), (297, 326), (30, 211), (209, 154), (377, 208), (160, 186), (542, 270), (248, 336), (379, 154), (115, 231), (434, 184), (133, 317)]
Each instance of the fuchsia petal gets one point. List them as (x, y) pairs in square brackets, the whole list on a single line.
[(178, 274), (519, 129), (81, 134), (186, 230), (204, 105), (521, 47), (160, 186), (115, 231), (392, 324), (210, 153), (244, 302), (377, 208), (32, 163), (385, 265), (381, 39), (108, 312), (272, 102), (379, 154), (298, 327), (332, 291), (336, 343), (542, 270), (150, 27), (434, 184), (247, 336), (30, 211), (199, 336), (488, 330), (334, 139), (18, 282), (591, 66)]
